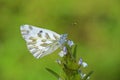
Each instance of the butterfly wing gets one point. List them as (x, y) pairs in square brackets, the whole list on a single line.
[(40, 42)]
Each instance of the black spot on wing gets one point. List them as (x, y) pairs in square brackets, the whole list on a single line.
[(40, 33)]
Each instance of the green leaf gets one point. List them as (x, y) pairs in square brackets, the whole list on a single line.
[(52, 72), (75, 52)]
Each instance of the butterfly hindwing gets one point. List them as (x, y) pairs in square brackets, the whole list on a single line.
[(40, 42)]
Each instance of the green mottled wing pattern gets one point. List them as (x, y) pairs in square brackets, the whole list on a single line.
[(40, 42)]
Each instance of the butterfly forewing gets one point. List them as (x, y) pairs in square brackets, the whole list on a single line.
[(40, 42)]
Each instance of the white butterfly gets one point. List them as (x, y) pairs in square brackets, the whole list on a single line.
[(40, 42)]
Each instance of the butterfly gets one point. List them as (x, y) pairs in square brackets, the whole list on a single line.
[(40, 42)]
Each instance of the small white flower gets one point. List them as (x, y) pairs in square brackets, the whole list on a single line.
[(62, 53), (64, 49), (70, 43), (82, 75), (80, 61), (84, 64), (88, 78)]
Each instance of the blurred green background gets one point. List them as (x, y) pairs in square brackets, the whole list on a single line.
[(94, 25)]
